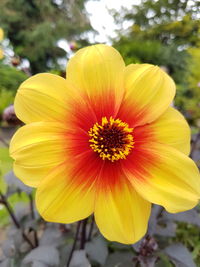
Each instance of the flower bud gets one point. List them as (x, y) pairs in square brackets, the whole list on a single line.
[(9, 116)]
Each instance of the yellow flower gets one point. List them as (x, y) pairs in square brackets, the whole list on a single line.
[(104, 141), (1, 54), (1, 34)]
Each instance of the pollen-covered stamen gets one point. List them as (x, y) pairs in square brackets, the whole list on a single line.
[(112, 139)]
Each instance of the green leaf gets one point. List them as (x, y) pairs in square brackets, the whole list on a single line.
[(163, 261)]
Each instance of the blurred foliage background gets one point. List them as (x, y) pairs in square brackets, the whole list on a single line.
[(166, 33), (40, 36), (34, 27)]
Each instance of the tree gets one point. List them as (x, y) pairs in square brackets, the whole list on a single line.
[(161, 30), (190, 97), (34, 28), (154, 52), (166, 32), (165, 20)]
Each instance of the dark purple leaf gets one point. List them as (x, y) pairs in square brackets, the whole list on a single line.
[(79, 259), (120, 259), (179, 255), (97, 250), (13, 181), (169, 229), (190, 216), (45, 254)]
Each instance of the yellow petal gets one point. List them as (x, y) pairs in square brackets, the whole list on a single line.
[(63, 198), (149, 92), (37, 148), (170, 128), (98, 72), (1, 34), (121, 214), (168, 178), (1, 54), (42, 98)]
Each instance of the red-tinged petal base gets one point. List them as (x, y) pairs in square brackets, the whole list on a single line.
[(170, 129), (67, 194), (148, 93)]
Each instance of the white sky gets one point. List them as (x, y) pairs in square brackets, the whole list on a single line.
[(102, 21)]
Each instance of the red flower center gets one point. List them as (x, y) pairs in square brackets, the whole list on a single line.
[(112, 139)]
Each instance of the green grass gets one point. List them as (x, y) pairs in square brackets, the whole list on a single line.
[(5, 166), (188, 235), (13, 200), (6, 163), (6, 160)]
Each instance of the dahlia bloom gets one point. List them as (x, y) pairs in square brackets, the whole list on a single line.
[(1, 38), (105, 141), (1, 54), (1, 34)]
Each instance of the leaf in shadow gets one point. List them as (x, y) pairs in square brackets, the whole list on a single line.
[(179, 255), (46, 254)]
